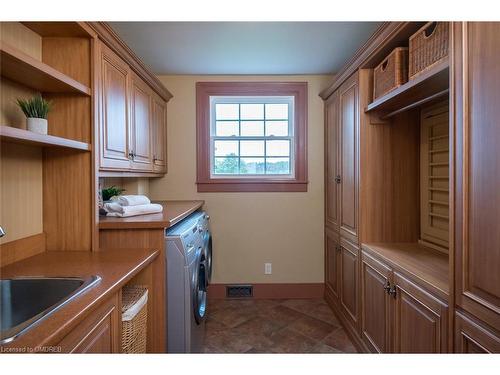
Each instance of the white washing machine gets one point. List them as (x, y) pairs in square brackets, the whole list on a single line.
[(188, 270)]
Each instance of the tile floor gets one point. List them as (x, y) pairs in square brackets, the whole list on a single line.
[(274, 326)]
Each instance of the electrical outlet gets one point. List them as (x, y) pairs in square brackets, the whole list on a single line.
[(268, 268)]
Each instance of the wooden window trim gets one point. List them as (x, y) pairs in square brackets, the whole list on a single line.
[(204, 181)]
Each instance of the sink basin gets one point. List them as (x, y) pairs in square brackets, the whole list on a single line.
[(24, 301)]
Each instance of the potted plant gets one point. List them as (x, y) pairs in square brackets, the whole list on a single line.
[(110, 192), (36, 110)]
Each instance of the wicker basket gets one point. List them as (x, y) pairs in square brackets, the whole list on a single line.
[(391, 73), (428, 46), (134, 319)]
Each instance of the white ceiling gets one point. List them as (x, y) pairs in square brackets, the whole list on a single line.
[(244, 47)]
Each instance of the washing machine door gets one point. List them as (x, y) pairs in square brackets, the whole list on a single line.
[(200, 283), (208, 254)]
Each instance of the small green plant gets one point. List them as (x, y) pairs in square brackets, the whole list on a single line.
[(36, 107), (109, 192)]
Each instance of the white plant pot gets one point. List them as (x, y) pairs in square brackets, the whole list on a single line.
[(37, 125)]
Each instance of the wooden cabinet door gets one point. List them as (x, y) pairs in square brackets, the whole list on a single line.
[(141, 125), (98, 333), (420, 320), (331, 162), (114, 116), (476, 78), (349, 157), (349, 258), (332, 266), (473, 337), (376, 303), (159, 115)]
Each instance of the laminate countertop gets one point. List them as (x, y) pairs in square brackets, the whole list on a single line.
[(173, 212), (115, 267)]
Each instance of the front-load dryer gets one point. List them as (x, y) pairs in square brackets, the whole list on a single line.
[(186, 286)]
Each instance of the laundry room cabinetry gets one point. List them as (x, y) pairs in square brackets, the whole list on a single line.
[(477, 239), (98, 333), (132, 114), (141, 128), (348, 176), (114, 113), (342, 160), (400, 314), (159, 141), (342, 254), (332, 262), (332, 176)]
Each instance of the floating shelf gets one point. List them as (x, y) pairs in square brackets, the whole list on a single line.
[(15, 135), (28, 71), (430, 85)]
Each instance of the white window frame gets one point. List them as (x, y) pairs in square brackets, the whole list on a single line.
[(290, 100)]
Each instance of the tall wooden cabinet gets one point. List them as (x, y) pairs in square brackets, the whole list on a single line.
[(476, 78), (349, 157), (341, 199), (332, 176), (412, 178)]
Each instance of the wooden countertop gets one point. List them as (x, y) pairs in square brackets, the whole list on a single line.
[(115, 267), (423, 263), (173, 212)]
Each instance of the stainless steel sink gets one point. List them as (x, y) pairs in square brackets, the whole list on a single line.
[(24, 301)]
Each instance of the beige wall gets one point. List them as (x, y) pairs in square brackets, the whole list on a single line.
[(250, 229)]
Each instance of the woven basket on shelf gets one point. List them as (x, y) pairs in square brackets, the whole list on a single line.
[(428, 46), (391, 73), (134, 327)]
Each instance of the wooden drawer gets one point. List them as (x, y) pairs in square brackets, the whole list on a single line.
[(98, 333)]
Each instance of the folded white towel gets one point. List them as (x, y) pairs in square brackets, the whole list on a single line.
[(114, 209), (132, 200)]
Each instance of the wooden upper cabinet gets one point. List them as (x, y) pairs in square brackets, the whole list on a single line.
[(159, 116), (332, 258), (141, 128), (349, 157), (376, 304), (476, 96), (132, 119), (114, 115), (331, 162), (420, 319)]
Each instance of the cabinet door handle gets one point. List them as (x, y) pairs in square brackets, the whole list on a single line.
[(387, 287), (337, 179), (131, 155), (392, 291)]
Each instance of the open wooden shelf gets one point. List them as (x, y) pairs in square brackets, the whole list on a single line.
[(28, 71), (15, 135), (430, 85), (424, 263), (59, 29)]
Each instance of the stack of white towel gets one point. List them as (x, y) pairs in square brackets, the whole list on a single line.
[(131, 205)]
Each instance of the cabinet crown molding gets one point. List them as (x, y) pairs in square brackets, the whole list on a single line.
[(108, 36)]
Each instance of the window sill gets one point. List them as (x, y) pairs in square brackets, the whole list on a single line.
[(235, 186)]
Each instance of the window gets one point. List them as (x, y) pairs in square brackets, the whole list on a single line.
[(251, 136)]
